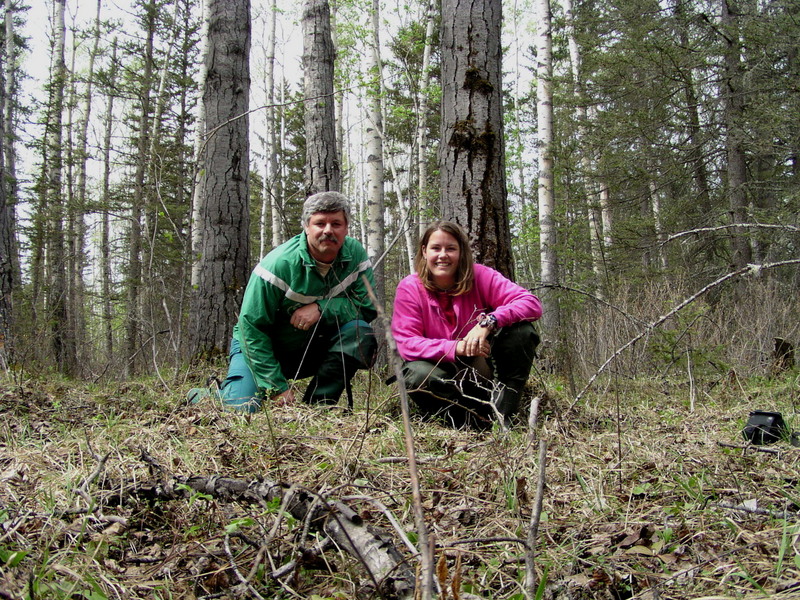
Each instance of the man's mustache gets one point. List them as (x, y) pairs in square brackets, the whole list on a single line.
[(328, 238)]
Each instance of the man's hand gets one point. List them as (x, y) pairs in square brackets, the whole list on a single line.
[(474, 343), (306, 316), (284, 398)]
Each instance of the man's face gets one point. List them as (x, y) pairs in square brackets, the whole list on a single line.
[(325, 233)]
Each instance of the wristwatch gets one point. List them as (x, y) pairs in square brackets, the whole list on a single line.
[(488, 321)]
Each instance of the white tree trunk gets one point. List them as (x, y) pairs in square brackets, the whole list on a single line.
[(199, 166), (425, 210), (544, 104), (374, 139)]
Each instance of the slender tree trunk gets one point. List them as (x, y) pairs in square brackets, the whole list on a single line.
[(6, 232), (105, 227), (77, 296), (225, 224), (551, 312), (471, 151), (56, 305), (322, 161), (133, 317), (272, 177), (10, 132), (198, 192), (375, 171), (424, 194), (733, 102)]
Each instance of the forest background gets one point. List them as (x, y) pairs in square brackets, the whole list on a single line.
[(674, 125)]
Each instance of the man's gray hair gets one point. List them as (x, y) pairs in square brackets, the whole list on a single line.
[(326, 202)]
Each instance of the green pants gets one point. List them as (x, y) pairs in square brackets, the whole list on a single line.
[(461, 395), (330, 356)]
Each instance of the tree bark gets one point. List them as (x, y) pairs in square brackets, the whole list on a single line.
[(322, 161), (225, 215), (471, 151), (375, 168), (105, 228), (56, 301), (733, 94)]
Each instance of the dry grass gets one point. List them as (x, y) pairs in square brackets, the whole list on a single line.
[(632, 505)]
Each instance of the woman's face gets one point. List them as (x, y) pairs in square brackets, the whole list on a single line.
[(442, 254)]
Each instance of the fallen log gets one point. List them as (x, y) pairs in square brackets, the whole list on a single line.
[(387, 568)]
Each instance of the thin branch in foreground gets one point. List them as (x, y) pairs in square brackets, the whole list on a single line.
[(533, 530), (426, 576)]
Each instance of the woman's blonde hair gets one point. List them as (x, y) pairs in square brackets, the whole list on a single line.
[(464, 272)]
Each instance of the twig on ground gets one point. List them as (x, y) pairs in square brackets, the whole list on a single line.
[(533, 417), (533, 530)]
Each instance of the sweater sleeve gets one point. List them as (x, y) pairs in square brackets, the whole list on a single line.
[(408, 327), (257, 315), (511, 303)]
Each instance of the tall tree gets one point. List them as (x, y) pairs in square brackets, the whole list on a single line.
[(322, 160), (224, 215), (547, 222), (375, 170), (6, 228), (133, 316), (733, 95), (471, 151), (53, 203)]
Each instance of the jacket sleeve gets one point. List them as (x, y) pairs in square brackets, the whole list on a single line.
[(259, 307), (408, 327), (350, 300), (512, 303)]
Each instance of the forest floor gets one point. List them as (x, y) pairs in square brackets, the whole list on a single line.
[(644, 498)]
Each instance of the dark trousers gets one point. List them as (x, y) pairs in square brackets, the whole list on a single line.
[(330, 356), (472, 392)]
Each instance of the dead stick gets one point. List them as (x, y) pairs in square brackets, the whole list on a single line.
[(533, 530), (426, 577)]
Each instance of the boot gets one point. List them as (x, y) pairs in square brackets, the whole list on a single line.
[(507, 404)]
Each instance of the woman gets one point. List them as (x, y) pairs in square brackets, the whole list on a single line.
[(464, 332)]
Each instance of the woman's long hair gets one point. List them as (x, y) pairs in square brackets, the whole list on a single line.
[(464, 271)]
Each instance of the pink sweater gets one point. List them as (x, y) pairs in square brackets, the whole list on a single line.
[(421, 329)]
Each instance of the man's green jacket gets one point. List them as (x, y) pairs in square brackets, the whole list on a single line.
[(286, 279)]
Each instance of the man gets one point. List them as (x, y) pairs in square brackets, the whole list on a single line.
[(305, 313)]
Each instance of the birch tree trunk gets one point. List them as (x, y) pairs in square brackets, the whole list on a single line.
[(471, 151), (225, 216), (56, 301), (272, 176), (424, 193), (198, 192), (375, 171), (551, 312), (322, 162)]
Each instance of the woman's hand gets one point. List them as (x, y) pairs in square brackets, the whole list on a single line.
[(475, 343)]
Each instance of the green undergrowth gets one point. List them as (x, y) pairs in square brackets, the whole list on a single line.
[(649, 493)]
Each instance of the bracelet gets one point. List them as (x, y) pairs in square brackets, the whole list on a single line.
[(489, 321)]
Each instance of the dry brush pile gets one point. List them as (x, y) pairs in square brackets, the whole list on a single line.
[(125, 493)]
